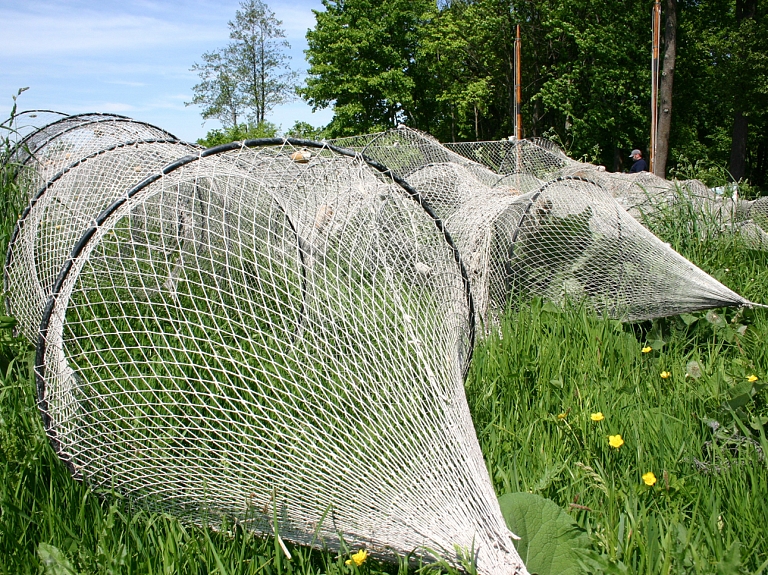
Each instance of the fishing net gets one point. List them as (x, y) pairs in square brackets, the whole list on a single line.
[(645, 196), (274, 333), (50, 149), (20, 125), (566, 240), (62, 210), (752, 222)]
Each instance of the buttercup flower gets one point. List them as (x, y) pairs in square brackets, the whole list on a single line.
[(649, 478), (358, 558), (752, 378), (665, 375), (597, 416), (615, 441), (561, 416), (647, 349)]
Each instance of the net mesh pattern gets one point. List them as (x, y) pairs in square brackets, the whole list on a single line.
[(21, 125), (274, 330), (566, 239), (51, 149), (644, 195), (62, 210)]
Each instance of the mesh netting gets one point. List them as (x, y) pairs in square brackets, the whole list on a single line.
[(644, 195), (59, 213), (50, 149), (566, 239), (20, 125), (752, 222), (273, 330)]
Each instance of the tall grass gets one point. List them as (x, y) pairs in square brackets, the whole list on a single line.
[(532, 389)]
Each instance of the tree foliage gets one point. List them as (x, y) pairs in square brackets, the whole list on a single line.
[(362, 57), (447, 67), (243, 131), (251, 75)]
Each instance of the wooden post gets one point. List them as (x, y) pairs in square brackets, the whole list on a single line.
[(656, 32), (518, 88), (518, 105)]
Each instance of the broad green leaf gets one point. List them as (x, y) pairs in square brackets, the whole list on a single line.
[(54, 561), (548, 535)]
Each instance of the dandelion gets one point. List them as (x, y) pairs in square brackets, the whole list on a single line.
[(358, 558), (693, 369), (752, 378), (615, 441), (665, 375), (597, 416), (649, 478), (647, 349)]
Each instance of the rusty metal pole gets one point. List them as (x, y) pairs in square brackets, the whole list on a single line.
[(656, 25), (518, 88)]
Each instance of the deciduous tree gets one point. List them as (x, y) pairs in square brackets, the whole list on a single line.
[(251, 75)]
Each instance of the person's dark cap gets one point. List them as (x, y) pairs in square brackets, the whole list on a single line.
[(638, 152)]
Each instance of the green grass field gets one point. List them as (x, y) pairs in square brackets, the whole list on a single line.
[(533, 389)]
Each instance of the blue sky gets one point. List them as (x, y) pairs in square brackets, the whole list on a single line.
[(130, 57)]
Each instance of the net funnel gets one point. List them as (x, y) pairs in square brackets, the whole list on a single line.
[(62, 210), (566, 239), (569, 241), (277, 327)]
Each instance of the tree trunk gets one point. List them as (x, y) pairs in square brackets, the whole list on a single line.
[(665, 88), (738, 164), (738, 161)]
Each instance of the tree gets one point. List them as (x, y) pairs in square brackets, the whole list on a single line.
[(262, 65), (240, 132), (665, 88), (218, 91), (362, 57), (251, 75)]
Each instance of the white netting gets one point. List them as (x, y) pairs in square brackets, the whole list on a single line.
[(62, 210), (20, 125), (644, 195), (752, 218), (50, 149), (565, 239), (269, 330)]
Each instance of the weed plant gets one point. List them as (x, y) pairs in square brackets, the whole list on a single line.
[(546, 391)]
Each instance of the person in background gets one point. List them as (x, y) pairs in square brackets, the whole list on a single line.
[(640, 164)]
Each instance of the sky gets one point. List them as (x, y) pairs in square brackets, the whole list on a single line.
[(131, 57)]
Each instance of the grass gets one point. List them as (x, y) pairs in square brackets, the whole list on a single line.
[(532, 389)]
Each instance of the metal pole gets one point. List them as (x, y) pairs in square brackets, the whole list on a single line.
[(656, 19), (518, 89)]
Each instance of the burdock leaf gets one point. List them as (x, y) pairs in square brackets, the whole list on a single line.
[(548, 535)]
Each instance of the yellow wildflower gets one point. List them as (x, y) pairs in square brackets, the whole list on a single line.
[(649, 478), (647, 349), (752, 378), (561, 416), (615, 440), (665, 375), (358, 558), (597, 416)]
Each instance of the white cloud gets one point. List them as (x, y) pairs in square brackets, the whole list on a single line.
[(31, 32), (126, 83)]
